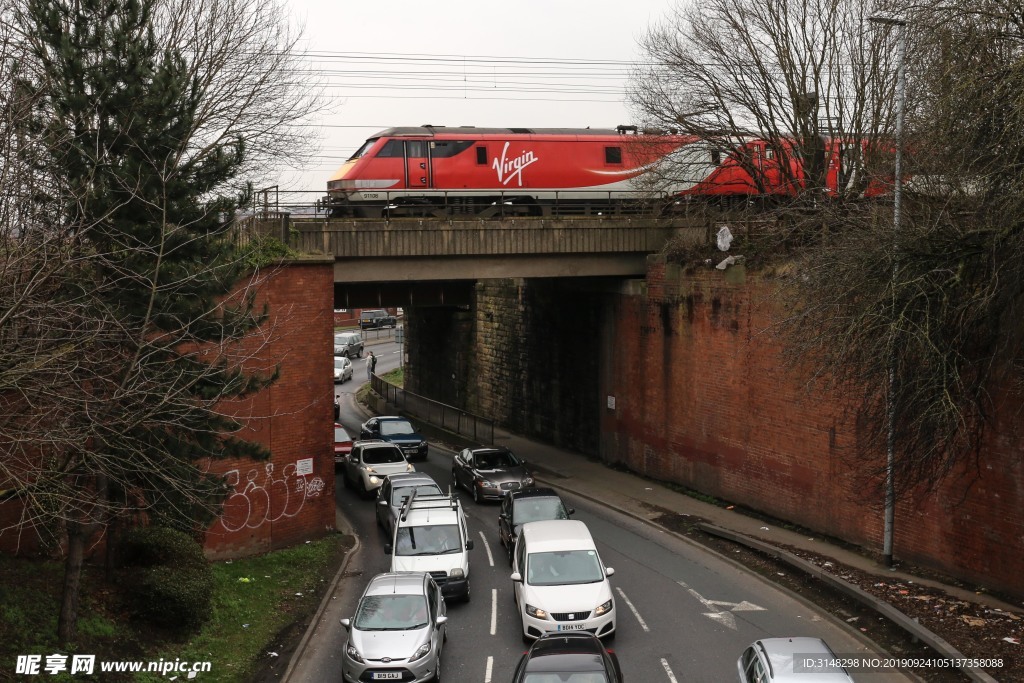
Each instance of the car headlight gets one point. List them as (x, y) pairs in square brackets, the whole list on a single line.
[(528, 481), (409, 467), (368, 469), (421, 651), (484, 483), (536, 612), (353, 654), (603, 609), (457, 573), (374, 479)]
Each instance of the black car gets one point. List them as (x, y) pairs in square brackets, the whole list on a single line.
[(489, 473), (397, 430), (527, 505), (559, 656), (376, 318)]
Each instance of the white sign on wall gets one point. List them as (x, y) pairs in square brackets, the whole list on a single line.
[(304, 467), (611, 403)]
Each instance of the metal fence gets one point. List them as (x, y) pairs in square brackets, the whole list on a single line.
[(449, 418)]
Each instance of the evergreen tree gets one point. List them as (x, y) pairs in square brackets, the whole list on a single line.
[(148, 201)]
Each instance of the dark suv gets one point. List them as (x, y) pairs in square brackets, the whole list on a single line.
[(375, 318)]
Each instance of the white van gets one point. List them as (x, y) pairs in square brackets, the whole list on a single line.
[(430, 536), (560, 582)]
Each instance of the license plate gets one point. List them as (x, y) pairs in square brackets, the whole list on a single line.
[(571, 627), (387, 676)]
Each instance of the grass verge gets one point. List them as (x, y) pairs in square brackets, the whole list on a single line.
[(255, 600)]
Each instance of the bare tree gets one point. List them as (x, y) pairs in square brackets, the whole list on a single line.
[(936, 303), (129, 310), (793, 74)]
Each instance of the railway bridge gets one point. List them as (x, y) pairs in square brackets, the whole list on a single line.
[(423, 261)]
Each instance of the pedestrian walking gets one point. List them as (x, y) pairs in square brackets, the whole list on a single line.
[(371, 365)]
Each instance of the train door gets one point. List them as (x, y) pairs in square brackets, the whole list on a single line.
[(417, 165)]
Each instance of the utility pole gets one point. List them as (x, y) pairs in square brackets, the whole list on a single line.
[(890, 408)]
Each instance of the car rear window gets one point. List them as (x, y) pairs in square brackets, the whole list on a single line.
[(421, 490)]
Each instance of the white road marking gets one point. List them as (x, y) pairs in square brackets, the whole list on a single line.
[(494, 610), (668, 670), (643, 624), (487, 547), (724, 617), (490, 666)]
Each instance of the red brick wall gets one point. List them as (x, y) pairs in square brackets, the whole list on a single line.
[(274, 504), (703, 398)]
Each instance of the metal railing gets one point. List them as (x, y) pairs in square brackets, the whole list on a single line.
[(452, 419)]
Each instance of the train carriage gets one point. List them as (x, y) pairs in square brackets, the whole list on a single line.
[(466, 171)]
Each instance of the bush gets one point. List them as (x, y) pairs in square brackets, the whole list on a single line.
[(169, 582), (155, 546), (172, 597)]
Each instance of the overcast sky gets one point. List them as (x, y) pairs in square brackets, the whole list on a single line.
[(522, 63)]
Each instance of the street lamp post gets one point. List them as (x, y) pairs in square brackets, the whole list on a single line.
[(890, 404)]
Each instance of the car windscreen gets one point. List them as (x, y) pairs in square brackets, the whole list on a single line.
[(537, 510), (341, 435), (396, 428), (495, 460), (340, 363), (421, 490), (563, 677), (437, 539), (391, 613), (382, 456), (563, 567)]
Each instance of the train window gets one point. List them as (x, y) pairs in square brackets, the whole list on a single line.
[(613, 155), (440, 149), (481, 155), (364, 149), (416, 149), (716, 157), (391, 148)]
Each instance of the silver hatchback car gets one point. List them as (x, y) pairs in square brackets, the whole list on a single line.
[(398, 631), (790, 660)]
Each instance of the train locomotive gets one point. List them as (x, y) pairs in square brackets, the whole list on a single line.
[(439, 171)]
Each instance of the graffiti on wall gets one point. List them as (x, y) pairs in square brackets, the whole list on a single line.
[(265, 497)]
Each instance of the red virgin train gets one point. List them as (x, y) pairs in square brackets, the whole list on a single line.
[(445, 171)]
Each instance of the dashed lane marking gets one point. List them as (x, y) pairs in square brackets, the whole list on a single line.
[(643, 624)]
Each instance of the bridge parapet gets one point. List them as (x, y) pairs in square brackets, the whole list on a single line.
[(411, 238)]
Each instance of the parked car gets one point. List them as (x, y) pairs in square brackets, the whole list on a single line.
[(773, 660), (396, 488), (398, 631), (348, 344), (342, 444), (342, 369), (376, 318), (568, 657), (527, 505), (560, 582), (371, 461), (489, 473), (397, 430)]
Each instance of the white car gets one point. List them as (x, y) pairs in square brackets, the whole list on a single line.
[(370, 462), (342, 369), (430, 535), (560, 582)]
